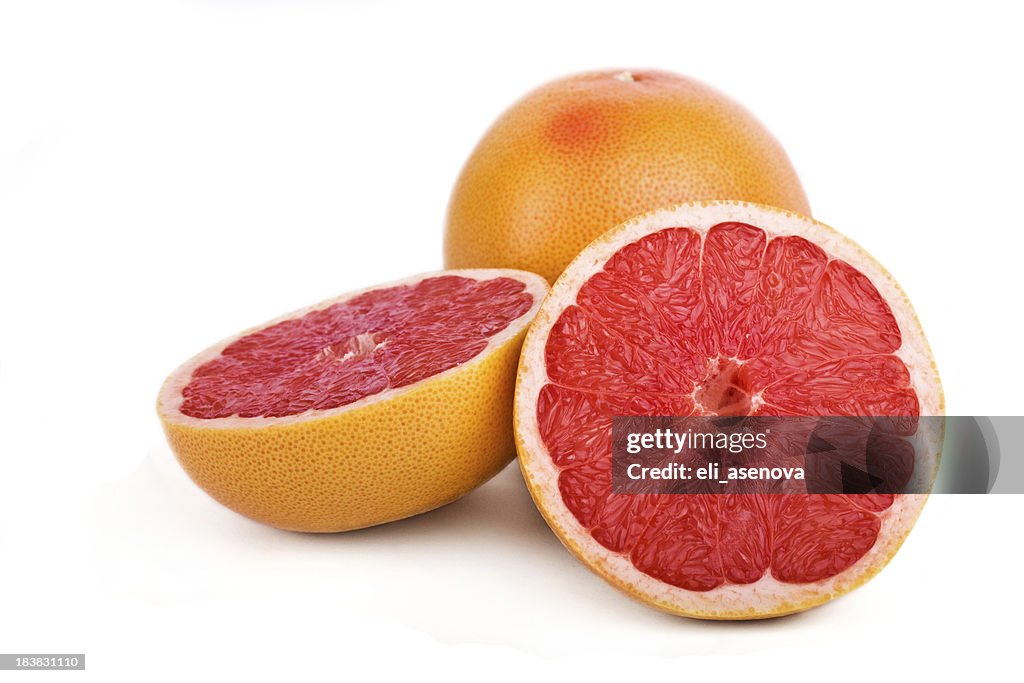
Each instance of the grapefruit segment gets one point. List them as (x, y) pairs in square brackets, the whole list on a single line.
[(732, 255), (874, 384), (817, 537), (360, 410), (719, 308), (786, 281)]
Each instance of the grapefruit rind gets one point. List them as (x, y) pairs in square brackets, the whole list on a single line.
[(766, 597), (387, 456), (584, 152)]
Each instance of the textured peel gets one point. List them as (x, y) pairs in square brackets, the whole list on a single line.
[(588, 151)]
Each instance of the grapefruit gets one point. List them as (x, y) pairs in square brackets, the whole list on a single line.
[(583, 153), (360, 410), (718, 308)]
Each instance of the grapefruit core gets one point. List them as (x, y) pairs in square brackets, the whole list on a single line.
[(360, 410), (718, 308), (588, 151)]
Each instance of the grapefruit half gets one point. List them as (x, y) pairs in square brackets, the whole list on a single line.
[(588, 151), (718, 308), (360, 410)]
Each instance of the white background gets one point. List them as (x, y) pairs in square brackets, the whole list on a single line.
[(172, 172)]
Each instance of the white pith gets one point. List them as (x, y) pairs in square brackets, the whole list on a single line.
[(171, 399), (767, 596)]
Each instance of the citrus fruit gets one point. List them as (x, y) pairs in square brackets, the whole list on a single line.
[(583, 153), (718, 308), (360, 410)]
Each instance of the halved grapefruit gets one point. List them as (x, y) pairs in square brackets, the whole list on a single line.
[(360, 410), (718, 308)]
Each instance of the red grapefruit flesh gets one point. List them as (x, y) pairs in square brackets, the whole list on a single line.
[(718, 308), (360, 410)]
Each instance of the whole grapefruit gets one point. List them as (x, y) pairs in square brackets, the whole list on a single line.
[(584, 153)]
